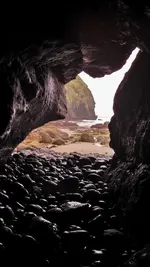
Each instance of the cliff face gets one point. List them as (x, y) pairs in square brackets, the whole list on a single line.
[(80, 102)]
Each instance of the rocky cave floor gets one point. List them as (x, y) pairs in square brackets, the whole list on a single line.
[(59, 212)]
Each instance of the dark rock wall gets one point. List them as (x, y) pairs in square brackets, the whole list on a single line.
[(28, 97), (32, 91), (130, 125)]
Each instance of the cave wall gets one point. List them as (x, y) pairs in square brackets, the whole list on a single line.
[(130, 125), (26, 98)]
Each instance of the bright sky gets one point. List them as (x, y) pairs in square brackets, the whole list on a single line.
[(103, 89)]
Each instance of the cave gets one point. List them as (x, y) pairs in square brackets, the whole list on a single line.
[(36, 61)]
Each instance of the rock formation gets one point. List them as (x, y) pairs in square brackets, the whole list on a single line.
[(80, 102), (130, 125), (35, 64)]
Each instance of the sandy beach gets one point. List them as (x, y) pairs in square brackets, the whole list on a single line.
[(68, 137), (84, 148)]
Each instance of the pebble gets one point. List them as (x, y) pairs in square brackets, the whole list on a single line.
[(7, 214), (98, 164), (75, 240), (54, 214), (49, 187), (59, 212), (78, 174), (68, 185), (26, 181), (113, 239), (74, 205), (4, 198), (140, 258), (84, 161), (93, 177), (92, 195), (97, 210), (20, 190), (37, 209), (96, 225), (89, 186)]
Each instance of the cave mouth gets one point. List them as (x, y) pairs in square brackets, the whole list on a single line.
[(90, 108), (104, 89)]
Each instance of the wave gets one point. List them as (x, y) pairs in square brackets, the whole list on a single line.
[(89, 123)]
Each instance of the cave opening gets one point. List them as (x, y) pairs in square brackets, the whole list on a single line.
[(72, 209), (90, 108), (104, 89)]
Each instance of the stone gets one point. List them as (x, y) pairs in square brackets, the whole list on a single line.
[(103, 167), (68, 185), (58, 142), (7, 214), (37, 209), (87, 167), (140, 258), (93, 177), (25, 220), (92, 195), (96, 210), (101, 184), (74, 227), (102, 203), (40, 172), (49, 187), (43, 202), (6, 234), (75, 212), (19, 190), (75, 240), (98, 164), (96, 225), (44, 231), (71, 197), (1, 222), (79, 175), (97, 263), (26, 181), (54, 215), (51, 199), (100, 172), (84, 161), (2, 250), (74, 205), (89, 186), (97, 254), (4, 198), (113, 239)]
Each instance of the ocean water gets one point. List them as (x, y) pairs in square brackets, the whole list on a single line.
[(89, 123)]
